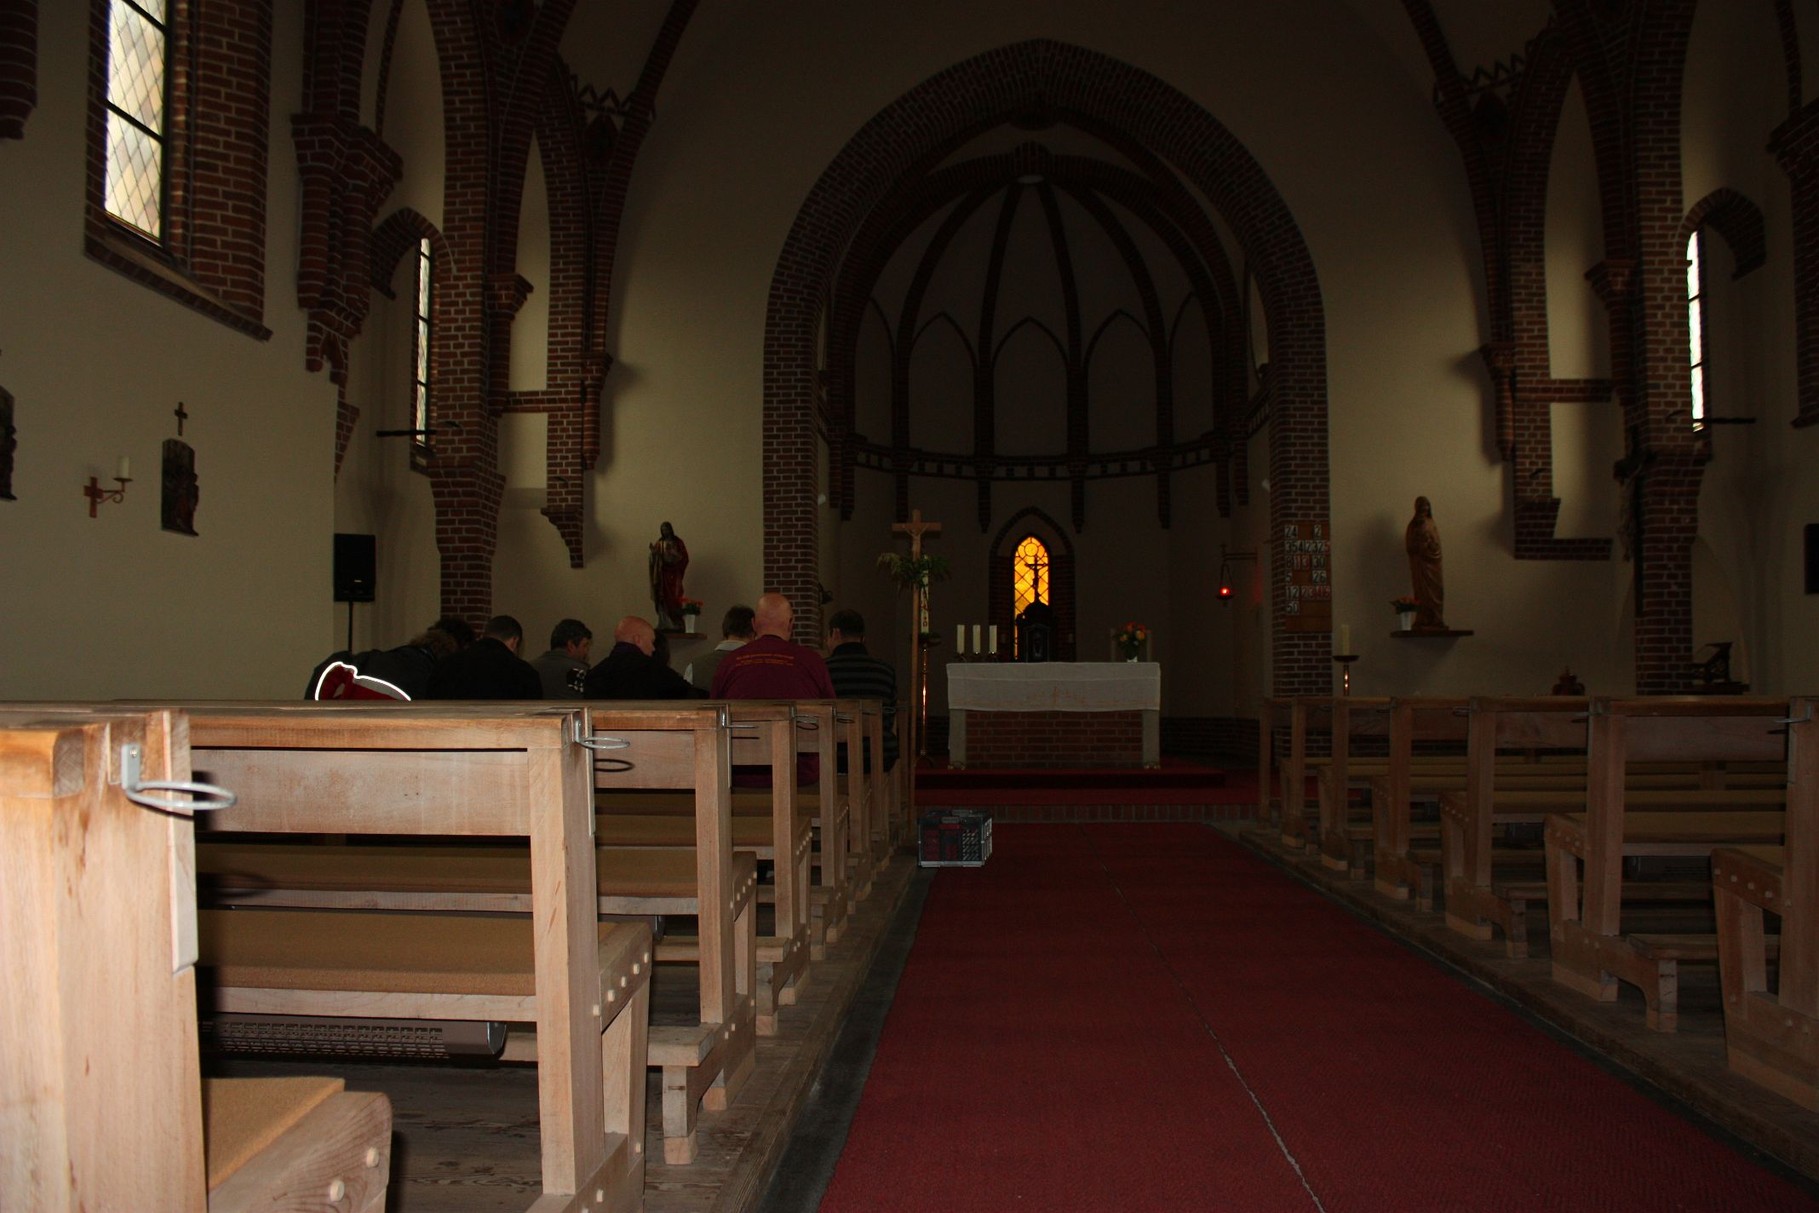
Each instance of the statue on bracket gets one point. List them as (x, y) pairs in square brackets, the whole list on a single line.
[(1422, 541), (668, 563)]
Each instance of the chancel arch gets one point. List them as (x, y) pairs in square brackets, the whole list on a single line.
[(1027, 93)]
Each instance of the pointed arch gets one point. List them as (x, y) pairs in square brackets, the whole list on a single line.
[(1001, 608), (1089, 89)]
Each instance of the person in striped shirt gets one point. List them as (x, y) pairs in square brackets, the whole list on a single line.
[(859, 675)]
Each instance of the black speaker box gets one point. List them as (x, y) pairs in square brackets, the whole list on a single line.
[(356, 560)]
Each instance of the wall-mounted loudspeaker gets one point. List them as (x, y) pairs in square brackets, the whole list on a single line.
[(356, 561)]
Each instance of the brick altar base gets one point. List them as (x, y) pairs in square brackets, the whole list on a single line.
[(1054, 739)]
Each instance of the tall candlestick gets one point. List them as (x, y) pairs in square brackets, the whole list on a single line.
[(1345, 638)]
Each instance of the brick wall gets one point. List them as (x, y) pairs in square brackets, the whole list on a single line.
[(1054, 739), (18, 65)]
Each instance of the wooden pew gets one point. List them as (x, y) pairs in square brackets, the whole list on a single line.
[(1472, 909), (1589, 950), (1273, 715), (1772, 1037), (1411, 719), (492, 770), (1351, 717), (666, 746), (763, 734), (102, 1103)]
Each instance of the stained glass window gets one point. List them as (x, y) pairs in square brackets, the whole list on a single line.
[(420, 346), (1029, 577), (1695, 323), (134, 187)]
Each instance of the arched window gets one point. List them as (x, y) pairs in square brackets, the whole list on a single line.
[(1695, 324), (1029, 579)]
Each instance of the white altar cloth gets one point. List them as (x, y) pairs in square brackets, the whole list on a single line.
[(1055, 686)]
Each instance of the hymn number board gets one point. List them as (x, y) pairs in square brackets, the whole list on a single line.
[(1307, 577)]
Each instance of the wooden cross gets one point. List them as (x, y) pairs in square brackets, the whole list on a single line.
[(181, 415), (915, 528)]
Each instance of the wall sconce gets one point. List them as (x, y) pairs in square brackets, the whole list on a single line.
[(1227, 558), (123, 476)]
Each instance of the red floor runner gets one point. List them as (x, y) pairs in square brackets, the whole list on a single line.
[(1147, 1017)]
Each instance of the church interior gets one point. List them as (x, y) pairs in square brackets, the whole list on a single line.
[(1326, 359)]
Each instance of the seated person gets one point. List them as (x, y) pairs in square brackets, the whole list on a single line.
[(633, 671), (772, 666), (406, 669), (564, 668), (490, 668), (859, 675), (735, 630)]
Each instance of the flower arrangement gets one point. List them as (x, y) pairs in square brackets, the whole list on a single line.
[(1404, 605), (1130, 637), (691, 606), (909, 571)]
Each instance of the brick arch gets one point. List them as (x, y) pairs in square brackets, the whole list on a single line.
[(1061, 576), (1733, 216), (935, 116), (392, 240)]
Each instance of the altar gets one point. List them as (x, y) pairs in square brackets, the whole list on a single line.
[(1054, 714)]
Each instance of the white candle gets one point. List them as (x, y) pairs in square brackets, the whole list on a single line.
[(992, 637), (959, 638), (1345, 640), (125, 470), (977, 648)]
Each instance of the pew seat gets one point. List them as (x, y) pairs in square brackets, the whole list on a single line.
[(705, 1062), (1475, 905), (295, 1143), (1769, 1037), (474, 967), (1593, 963)]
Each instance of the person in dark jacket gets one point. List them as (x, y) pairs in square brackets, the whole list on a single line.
[(490, 668), (633, 671), (859, 675)]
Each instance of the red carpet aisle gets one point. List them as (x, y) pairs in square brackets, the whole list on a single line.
[(1146, 1017)]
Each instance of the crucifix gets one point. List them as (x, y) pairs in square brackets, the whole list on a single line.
[(916, 528), (181, 415)]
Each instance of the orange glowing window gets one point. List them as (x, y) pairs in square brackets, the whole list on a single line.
[(1029, 574)]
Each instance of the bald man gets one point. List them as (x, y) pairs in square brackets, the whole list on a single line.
[(632, 670), (771, 665)]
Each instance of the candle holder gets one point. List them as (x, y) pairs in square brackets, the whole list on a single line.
[(1345, 671), (96, 494)]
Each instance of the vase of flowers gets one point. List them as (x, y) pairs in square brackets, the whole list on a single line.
[(1405, 609), (1130, 638), (691, 611)]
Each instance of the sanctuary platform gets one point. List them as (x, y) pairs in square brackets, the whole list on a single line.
[(1057, 714)]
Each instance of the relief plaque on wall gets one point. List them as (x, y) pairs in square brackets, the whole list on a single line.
[(9, 443), (181, 488), (1307, 557)]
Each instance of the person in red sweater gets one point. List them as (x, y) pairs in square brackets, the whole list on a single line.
[(772, 666)]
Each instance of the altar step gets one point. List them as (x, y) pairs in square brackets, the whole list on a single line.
[(1178, 791)]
